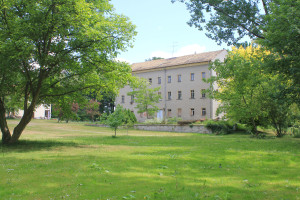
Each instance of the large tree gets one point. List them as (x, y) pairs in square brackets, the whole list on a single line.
[(232, 22), (275, 24), (248, 93), (282, 36), (50, 48)]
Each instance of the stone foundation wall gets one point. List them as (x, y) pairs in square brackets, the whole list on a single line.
[(173, 128)]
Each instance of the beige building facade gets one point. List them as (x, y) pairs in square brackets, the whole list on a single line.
[(181, 86), (42, 111)]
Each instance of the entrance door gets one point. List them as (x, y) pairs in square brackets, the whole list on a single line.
[(160, 115)]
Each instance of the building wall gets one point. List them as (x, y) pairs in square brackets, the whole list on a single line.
[(41, 112), (174, 128), (170, 107), (186, 103)]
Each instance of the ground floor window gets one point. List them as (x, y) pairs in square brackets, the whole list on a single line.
[(203, 111), (179, 112), (169, 112), (192, 111)]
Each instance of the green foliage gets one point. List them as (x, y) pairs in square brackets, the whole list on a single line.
[(55, 48), (154, 58), (66, 108), (92, 109), (119, 117), (271, 23), (294, 128), (219, 127), (146, 98), (228, 21), (173, 120), (153, 121), (129, 117), (116, 119), (13, 105), (295, 132), (247, 93), (103, 117), (282, 37)]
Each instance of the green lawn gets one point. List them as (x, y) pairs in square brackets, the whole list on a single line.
[(73, 161)]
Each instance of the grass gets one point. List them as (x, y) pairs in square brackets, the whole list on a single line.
[(73, 161)]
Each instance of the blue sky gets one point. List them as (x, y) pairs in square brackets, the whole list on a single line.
[(162, 30)]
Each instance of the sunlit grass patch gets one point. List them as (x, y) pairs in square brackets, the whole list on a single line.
[(72, 161)]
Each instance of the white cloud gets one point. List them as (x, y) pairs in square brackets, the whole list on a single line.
[(186, 50), (190, 49)]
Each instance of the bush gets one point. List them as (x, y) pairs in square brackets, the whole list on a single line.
[(219, 127), (103, 117), (186, 122), (153, 121), (242, 127), (173, 120), (295, 132)]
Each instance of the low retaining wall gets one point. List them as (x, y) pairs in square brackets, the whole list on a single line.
[(173, 128)]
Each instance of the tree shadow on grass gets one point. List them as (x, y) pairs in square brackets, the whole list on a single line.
[(35, 145)]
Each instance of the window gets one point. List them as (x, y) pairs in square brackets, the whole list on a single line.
[(179, 95), (150, 81), (203, 93), (179, 112), (192, 76), (169, 79), (203, 75), (159, 80), (192, 94), (159, 93), (169, 112), (169, 96), (192, 111), (123, 99), (132, 99), (179, 78), (203, 111)]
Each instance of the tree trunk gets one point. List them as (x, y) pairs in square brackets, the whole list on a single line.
[(6, 136), (254, 127), (18, 130)]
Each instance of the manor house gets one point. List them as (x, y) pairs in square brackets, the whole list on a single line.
[(182, 88)]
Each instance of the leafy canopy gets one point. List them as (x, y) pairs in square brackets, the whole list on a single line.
[(274, 24), (247, 92), (51, 48), (231, 22), (119, 117), (283, 38)]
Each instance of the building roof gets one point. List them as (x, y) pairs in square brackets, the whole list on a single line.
[(182, 60)]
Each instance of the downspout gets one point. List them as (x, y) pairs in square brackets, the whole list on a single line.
[(165, 92), (211, 100)]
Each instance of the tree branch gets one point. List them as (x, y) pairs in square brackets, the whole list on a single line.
[(265, 7), (67, 77), (240, 24), (67, 92)]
